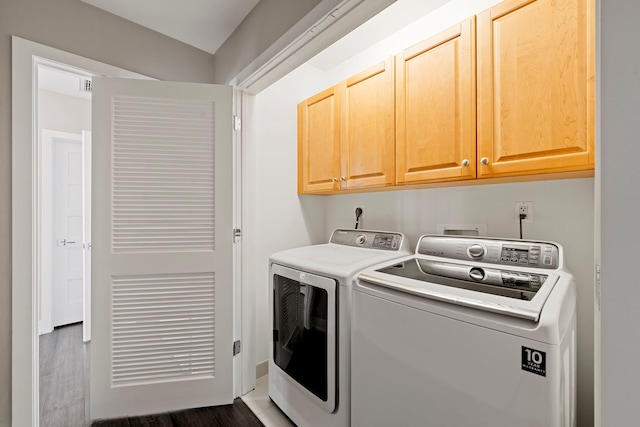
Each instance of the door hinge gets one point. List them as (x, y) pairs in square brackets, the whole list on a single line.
[(237, 234), (237, 123), (236, 347)]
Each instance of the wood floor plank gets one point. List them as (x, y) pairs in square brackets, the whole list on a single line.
[(161, 420), (62, 378), (237, 414)]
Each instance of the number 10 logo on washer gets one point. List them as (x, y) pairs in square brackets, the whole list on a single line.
[(534, 361)]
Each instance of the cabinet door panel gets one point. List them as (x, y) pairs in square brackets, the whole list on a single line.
[(368, 137), (435, 110), (535, 87), (319, 143)]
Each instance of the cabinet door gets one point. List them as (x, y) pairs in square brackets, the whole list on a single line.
[(368, 137), (436, 109), (319, 143), (535, 87)]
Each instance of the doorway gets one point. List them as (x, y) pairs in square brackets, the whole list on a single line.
[(63, 124)]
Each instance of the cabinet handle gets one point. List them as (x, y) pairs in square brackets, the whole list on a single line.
[(465, 163), (342, 179), (334, 179), (484, 160)]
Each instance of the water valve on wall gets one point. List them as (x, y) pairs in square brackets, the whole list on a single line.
[(359, 212)]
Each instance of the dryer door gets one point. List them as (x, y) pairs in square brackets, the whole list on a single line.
[(304, 331)]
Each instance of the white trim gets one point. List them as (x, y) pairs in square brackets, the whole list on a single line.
[(247, 288), (24, 207), (44, 192), (238, 302), (321, 27)]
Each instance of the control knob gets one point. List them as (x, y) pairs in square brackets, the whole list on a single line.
[(361, 239), (476, 250)]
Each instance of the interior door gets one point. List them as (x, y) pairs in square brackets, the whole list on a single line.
[(161, 247), (67, 231)]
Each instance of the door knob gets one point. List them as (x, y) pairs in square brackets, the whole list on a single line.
[(64, 242), (465, 163), (484, 160)]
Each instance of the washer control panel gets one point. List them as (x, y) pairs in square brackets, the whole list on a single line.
[(489, 276), (368, 239), (493, 251)]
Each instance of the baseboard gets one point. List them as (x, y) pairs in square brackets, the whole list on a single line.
[(262, 369)]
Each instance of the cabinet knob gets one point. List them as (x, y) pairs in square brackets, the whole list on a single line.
[(465, 162), (484, 160), (342, 179), (334, 179)]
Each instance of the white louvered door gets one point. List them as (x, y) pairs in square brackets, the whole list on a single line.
[(161, 247)]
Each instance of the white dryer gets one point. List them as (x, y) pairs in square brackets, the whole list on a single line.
[(310, 310), (466, 332)]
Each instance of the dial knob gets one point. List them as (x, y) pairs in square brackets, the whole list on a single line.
[(476, 250), (476, 274), (361, 239)]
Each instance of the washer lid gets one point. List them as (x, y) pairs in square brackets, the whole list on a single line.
[(407, 276), (334, 259)]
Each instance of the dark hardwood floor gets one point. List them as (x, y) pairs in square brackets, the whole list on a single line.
[(237, 414), (64, 382)]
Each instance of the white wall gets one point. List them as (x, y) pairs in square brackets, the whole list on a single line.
[(63, 113), (563, 211), (277, 219)]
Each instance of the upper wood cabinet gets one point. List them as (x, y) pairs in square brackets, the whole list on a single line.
[(319, 142), (436, 108), (367, 128), (346, 136), (535, 87), (504, 94)]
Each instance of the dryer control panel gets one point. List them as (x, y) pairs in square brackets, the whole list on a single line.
[(382, 240), (494, 251)]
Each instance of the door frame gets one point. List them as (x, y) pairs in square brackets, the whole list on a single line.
[(25, 205)]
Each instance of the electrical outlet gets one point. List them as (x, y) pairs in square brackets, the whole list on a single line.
[(524, 208)]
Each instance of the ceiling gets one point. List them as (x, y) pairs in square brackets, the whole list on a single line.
[(210, 22), (205, 24), (61, 81)]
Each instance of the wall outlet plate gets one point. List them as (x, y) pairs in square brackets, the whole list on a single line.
[(526, 208)]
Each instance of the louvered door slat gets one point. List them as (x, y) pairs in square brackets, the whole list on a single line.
[(167, 319), (163, 148)]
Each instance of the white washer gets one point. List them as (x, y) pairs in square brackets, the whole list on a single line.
[(466, 332), (310, 311)]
